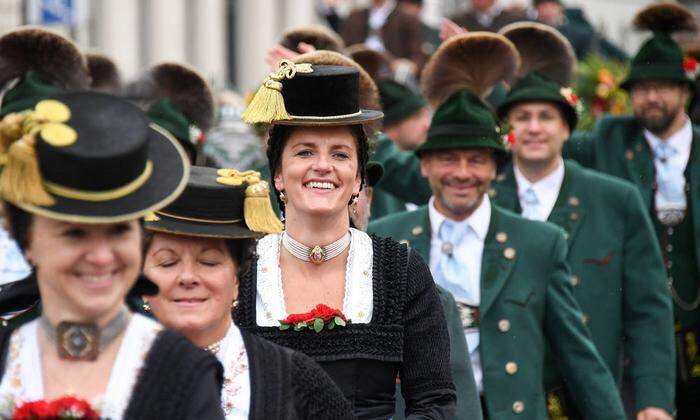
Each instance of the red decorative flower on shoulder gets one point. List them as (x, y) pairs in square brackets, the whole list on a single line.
[(63, 408), (320, 317), (690, 67)]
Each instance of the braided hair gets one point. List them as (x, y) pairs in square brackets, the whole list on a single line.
[(279, 134)]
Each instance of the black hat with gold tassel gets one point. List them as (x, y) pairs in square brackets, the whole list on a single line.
[(88, 157), (219, 203), (311, 95)]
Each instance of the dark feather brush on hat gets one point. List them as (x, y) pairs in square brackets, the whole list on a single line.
[(183, 86), (103, 73), (666, 18), (319, 36), (542, 49), (474, 61), (374, 62), (56, 59)]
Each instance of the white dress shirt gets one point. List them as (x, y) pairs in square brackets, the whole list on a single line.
[(377, 19), (546, 189), (681, 140), (470, 250)]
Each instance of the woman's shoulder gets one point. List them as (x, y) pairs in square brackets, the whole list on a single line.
[(397, 262)]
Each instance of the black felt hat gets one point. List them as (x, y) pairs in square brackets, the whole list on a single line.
[(89, 157), (311, 95), (219, 203)]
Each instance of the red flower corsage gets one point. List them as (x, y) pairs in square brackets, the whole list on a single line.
[(59, 409), (690, 67), (322, 316)]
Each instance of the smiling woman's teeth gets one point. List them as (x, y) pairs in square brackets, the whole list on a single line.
[(98, 279), (321, 185)]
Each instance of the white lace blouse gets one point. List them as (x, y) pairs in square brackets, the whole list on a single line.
[(23, 382), (236, 392), (359, 293)]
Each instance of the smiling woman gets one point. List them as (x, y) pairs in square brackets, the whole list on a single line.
[(79, 170), (195, 250), (362, 307)]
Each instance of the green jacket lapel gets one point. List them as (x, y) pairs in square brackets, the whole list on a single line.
[(640, 166), (693, 171), (420, 234), (497, 261), (506, 195), (568, 212)]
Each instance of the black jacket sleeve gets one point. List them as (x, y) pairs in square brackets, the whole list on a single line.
[(426, 382)]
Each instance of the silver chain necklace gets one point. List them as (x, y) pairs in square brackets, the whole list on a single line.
[(317, 254)]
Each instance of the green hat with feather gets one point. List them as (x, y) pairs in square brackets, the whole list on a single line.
[(660, 57), (455, 81), (546, 70)]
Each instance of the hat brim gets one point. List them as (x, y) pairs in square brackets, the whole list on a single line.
[(365, 116), (166, 182), (201, 229)]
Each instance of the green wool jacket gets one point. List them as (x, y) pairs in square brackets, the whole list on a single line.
[(617, 146), (526, 299), (402, 176), (618, 276)]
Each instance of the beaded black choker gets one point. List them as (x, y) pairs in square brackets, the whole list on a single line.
[(83, 341)]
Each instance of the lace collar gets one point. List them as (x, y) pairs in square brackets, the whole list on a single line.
[(236, 391), (359, 293), (23, 379)]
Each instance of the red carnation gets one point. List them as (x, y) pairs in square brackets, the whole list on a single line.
[(319, 317), (34, 410), (690, 64), (511, 138)]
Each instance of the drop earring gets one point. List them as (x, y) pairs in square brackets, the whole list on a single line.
[(354, 203)]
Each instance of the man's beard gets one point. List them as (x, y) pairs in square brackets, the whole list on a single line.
[(659, 123)]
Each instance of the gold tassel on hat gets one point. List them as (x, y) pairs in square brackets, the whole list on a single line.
[(20, 181), (268, 103), (257, 208)]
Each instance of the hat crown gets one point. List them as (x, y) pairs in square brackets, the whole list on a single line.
[(327, 91), (106, 153), (464, 108), (462, 121), (206, 199)]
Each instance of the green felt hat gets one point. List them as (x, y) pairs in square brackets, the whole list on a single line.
[(398, 101), (463, 121), (36, 64), (27, 93), (660, 57), (536, 87)]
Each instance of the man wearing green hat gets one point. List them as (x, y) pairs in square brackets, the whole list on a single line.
[(657, 149), (509, 275), (406, 122), (618, 272)]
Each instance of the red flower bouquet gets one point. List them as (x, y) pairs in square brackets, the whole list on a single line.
[(320, 317), (66, 408)]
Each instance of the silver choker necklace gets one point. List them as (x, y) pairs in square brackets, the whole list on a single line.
[(317, 254)]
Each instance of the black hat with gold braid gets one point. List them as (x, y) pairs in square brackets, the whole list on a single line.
[(88, 157), (219, 203), (310, 95)]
